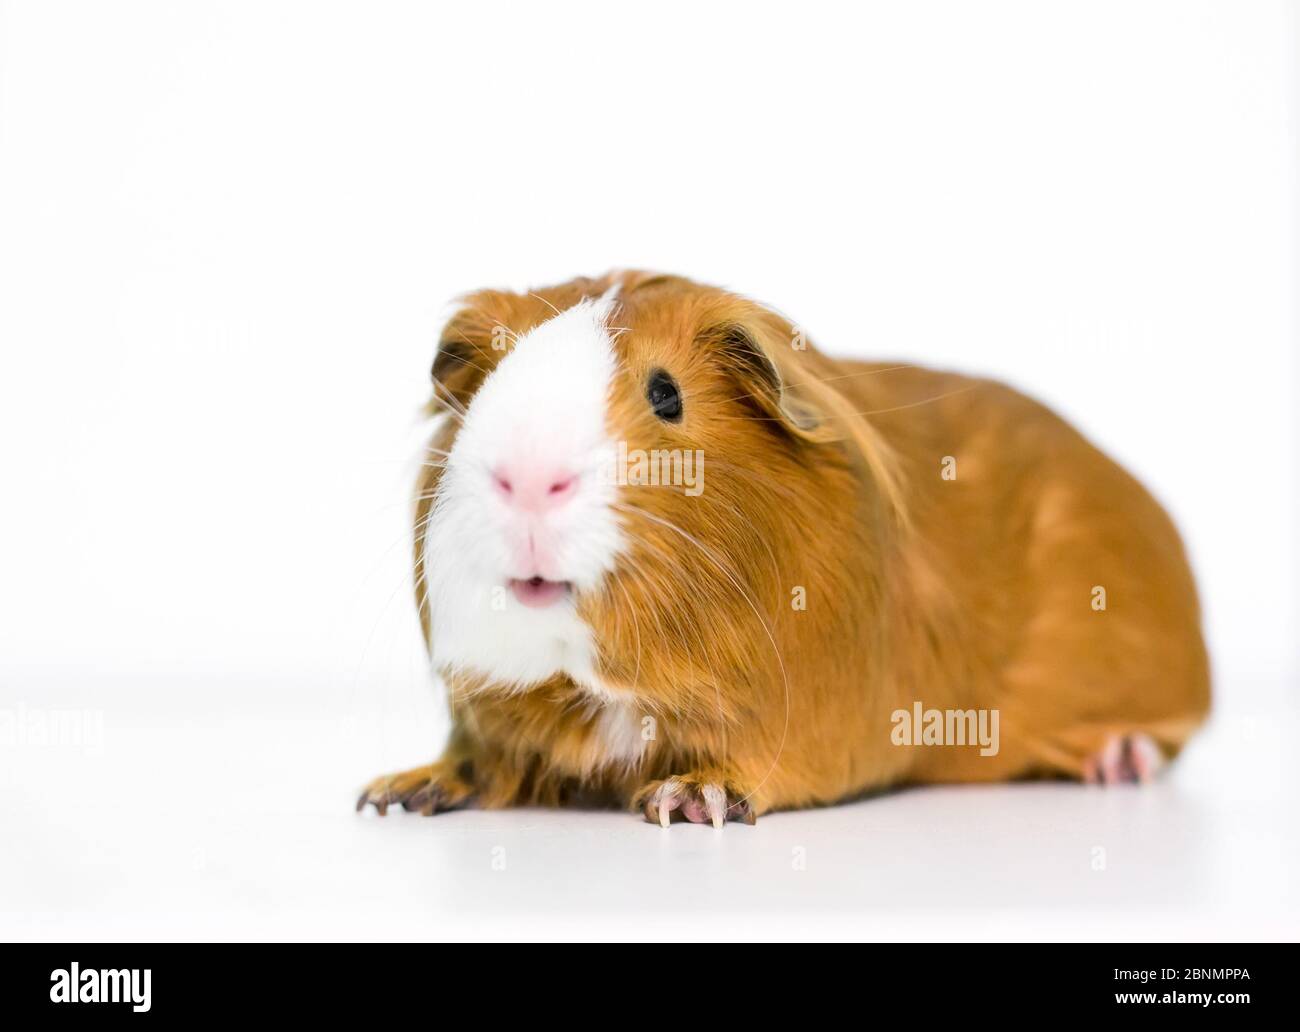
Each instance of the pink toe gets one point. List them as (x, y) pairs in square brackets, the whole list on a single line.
[(1112, 761), (693, 810), (1144, 757)]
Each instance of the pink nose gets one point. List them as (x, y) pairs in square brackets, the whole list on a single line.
[(535, 487)]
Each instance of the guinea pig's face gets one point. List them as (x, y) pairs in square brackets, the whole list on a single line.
[(523, 516), (600, 473)]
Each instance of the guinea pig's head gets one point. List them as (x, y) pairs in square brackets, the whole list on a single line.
[(622, 488)]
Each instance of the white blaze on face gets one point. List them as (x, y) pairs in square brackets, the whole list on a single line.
[(539, 419)]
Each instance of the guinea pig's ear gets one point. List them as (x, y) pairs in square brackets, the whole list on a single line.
[(749, 350), (759, 349), (469, 348)]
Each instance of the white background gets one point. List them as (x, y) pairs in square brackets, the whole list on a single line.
[(228, 234)]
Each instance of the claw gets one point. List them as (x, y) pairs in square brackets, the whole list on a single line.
[(668, 801), (698, 802), (715, 802), (425, 800)]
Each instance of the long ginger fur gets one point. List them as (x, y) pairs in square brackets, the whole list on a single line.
[(823, 484)]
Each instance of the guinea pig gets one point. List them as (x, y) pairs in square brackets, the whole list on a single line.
[(669, 556)]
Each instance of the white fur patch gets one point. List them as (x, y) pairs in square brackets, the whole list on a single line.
[(545, 402), (618, 728)]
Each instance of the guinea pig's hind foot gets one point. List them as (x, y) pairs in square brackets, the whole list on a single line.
[(697, 798), (1132, 758), (433, 788)]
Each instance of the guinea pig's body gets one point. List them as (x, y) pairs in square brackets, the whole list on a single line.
[(857, 576)]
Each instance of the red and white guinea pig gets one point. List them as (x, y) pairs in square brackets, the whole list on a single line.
[(671, 557)]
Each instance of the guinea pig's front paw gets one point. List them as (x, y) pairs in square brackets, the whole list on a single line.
[(700, 798), (433, 788)]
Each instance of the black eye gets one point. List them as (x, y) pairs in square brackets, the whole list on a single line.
[(664, 397)]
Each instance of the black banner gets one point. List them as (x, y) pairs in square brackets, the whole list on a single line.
[(141, 984)]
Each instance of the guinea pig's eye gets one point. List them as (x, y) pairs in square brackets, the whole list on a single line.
[(664, 397)]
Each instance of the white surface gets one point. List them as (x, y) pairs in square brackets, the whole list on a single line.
[(192, 820), (227, 236)]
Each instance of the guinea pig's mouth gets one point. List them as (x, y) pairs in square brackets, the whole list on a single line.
[(538, 592)]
